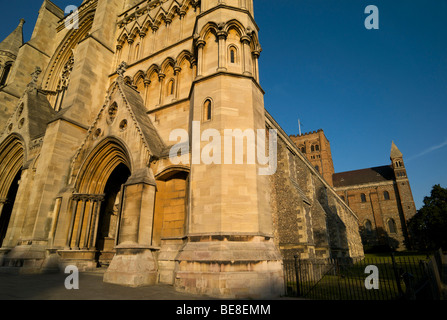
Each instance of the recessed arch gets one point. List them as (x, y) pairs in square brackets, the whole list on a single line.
[(11, 163), (171, 202), (12, 159), (65, 50), (100, 164)]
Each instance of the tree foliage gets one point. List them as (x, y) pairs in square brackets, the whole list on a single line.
[(428, 227)]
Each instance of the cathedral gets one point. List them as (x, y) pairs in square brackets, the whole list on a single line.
[(89, 111), (380, 196)]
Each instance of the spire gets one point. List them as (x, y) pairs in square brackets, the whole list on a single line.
[(395, 152), (14, 41)]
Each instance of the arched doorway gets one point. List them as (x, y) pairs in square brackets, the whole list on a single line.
[(109, 215), (11, 164), (5, 214), (95, 207)]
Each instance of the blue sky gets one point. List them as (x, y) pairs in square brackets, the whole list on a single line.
[(364, 88)]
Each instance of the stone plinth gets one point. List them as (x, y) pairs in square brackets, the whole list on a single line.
[(231, 268), (132, 266)]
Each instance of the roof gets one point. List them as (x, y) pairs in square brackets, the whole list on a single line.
[(136, 105), (395, 152), (363, 176)]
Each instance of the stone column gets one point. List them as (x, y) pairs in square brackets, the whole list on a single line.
[(142, 44), (256, 55), (76, 200), (147, 83), (182, 14), (134, 263), (130, 41), (194, 67), (177, 70), (200, 45), (161, 77), (246, 55), (154, 30), (222, 65), (84, 200), (85, 244), (168, 33), (95, 220)]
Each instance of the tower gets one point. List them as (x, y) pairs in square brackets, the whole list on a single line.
[(230, 234), (406, 202), (317, 149)]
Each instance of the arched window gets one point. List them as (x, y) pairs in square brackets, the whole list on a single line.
[(137, 52), (170, 90), (368, 227), (318, 168), (233, 55), (363, 197), (392, 226), (312, 148), (6, 71), (386, 195), (317, 147), (302, 148), (207, 110)]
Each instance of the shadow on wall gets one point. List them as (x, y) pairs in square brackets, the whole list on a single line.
[(336, 228), (377, 240)]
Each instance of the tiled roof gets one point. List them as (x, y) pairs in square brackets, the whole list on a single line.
[(363, 176)]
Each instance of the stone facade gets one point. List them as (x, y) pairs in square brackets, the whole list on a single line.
[(381, 197), (86, 175)]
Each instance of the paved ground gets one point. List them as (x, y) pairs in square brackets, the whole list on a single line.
[(91, 287)]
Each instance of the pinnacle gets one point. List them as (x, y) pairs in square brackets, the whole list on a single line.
[(14, 41), (395, 152)]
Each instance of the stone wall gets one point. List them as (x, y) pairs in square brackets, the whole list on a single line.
[(309, 218)]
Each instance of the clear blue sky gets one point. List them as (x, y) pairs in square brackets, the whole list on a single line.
[(364, 88)]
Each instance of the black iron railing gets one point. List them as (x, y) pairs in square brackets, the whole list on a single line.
[(384, 278)]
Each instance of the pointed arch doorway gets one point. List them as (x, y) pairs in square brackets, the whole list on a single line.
[(108, 223), (8, 205), (95, 208), (11, 165)]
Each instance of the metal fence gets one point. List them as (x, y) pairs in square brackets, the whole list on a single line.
[(344, 279)]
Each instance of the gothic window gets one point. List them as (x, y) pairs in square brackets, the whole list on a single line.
[(233, 54), (170, 90), (392, 226), (317, 147), (363, 197), (6, 71), (312, 148), (63, 83), (207, 110), (368, 227), (302, 148), (386, 195)]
